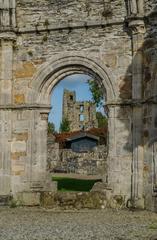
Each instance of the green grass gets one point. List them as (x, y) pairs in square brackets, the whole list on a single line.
[(74, 185)]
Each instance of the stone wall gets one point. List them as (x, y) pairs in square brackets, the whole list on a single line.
[(31, 13), (91, 36), (149, 49), (46, 32), (88, 163), (81, 115), (53, 152), (53, 39), (48, 28)]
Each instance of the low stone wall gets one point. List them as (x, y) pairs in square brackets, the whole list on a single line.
[(53, 154), (88, 163), (71, 200), (81, 200)]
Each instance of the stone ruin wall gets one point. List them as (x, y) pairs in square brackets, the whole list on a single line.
[(36, 43), (44, 30), (81, 115), (65, 160), (149, 119), (96, 30), (89, 163)]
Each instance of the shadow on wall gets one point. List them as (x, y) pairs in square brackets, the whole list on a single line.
[(141, 91), (138, 94)]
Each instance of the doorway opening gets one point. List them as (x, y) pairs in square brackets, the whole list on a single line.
[(77, 133)]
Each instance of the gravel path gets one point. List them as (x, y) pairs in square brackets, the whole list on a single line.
[(41, 224)]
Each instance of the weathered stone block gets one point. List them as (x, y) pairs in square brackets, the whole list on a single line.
[(18, 146), (25, 70), (21, 136), (29, 198), (17, 155), (19, 99)]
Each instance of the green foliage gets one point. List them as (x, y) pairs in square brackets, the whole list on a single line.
[(30, 53), (97, 93), (102, 120), (46, 23), (65, 126), (13, 204), (45, 38), (51, 128), (66, 184)]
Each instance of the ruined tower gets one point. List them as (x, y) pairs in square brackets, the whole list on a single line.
[(80, 114)]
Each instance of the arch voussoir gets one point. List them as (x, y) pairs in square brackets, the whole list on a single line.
[(63, 65)]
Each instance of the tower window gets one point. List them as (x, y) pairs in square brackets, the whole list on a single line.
[(81, 117), (71, 97), (82, 127), (81, 108)]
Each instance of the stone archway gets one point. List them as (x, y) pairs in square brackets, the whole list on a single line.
[(47, 77), (41, 87), (34, 176), (63, 65)]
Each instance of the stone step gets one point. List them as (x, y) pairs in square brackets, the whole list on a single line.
[(36, 186)]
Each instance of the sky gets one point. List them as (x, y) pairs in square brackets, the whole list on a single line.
[(78, 83)]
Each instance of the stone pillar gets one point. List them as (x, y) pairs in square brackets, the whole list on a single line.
[(40, 179), (135, 7), (5, 146), (7, 38), (120, 149), (137, 30), (7, 14), (6, 70), (6, 67)]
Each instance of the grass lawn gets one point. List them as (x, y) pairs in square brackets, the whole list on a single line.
[(74, 185)]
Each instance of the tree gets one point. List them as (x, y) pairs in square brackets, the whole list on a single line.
[(102, 120), (51, 127), (65, 125), (97, 92)]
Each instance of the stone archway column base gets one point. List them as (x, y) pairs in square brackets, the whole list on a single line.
[(139, 203), (33, 197)]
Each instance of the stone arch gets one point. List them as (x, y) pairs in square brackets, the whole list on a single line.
[(63, 65), (44, 81)]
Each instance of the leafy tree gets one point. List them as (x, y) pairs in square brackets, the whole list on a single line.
[(65, 125), (51, 127), (102, 120), (97, 92)]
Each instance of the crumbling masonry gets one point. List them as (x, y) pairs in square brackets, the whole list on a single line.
[(81, 115), (114, 42)]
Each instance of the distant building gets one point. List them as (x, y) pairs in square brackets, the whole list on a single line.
[(81, 115), (100, 133), (78, 152), (82, 142)]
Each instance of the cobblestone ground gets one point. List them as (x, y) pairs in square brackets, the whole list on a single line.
[(40, 224)]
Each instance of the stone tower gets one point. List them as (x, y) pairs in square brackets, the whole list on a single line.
[(81, 115)]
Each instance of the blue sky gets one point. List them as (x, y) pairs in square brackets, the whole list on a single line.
[(77, 82)]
